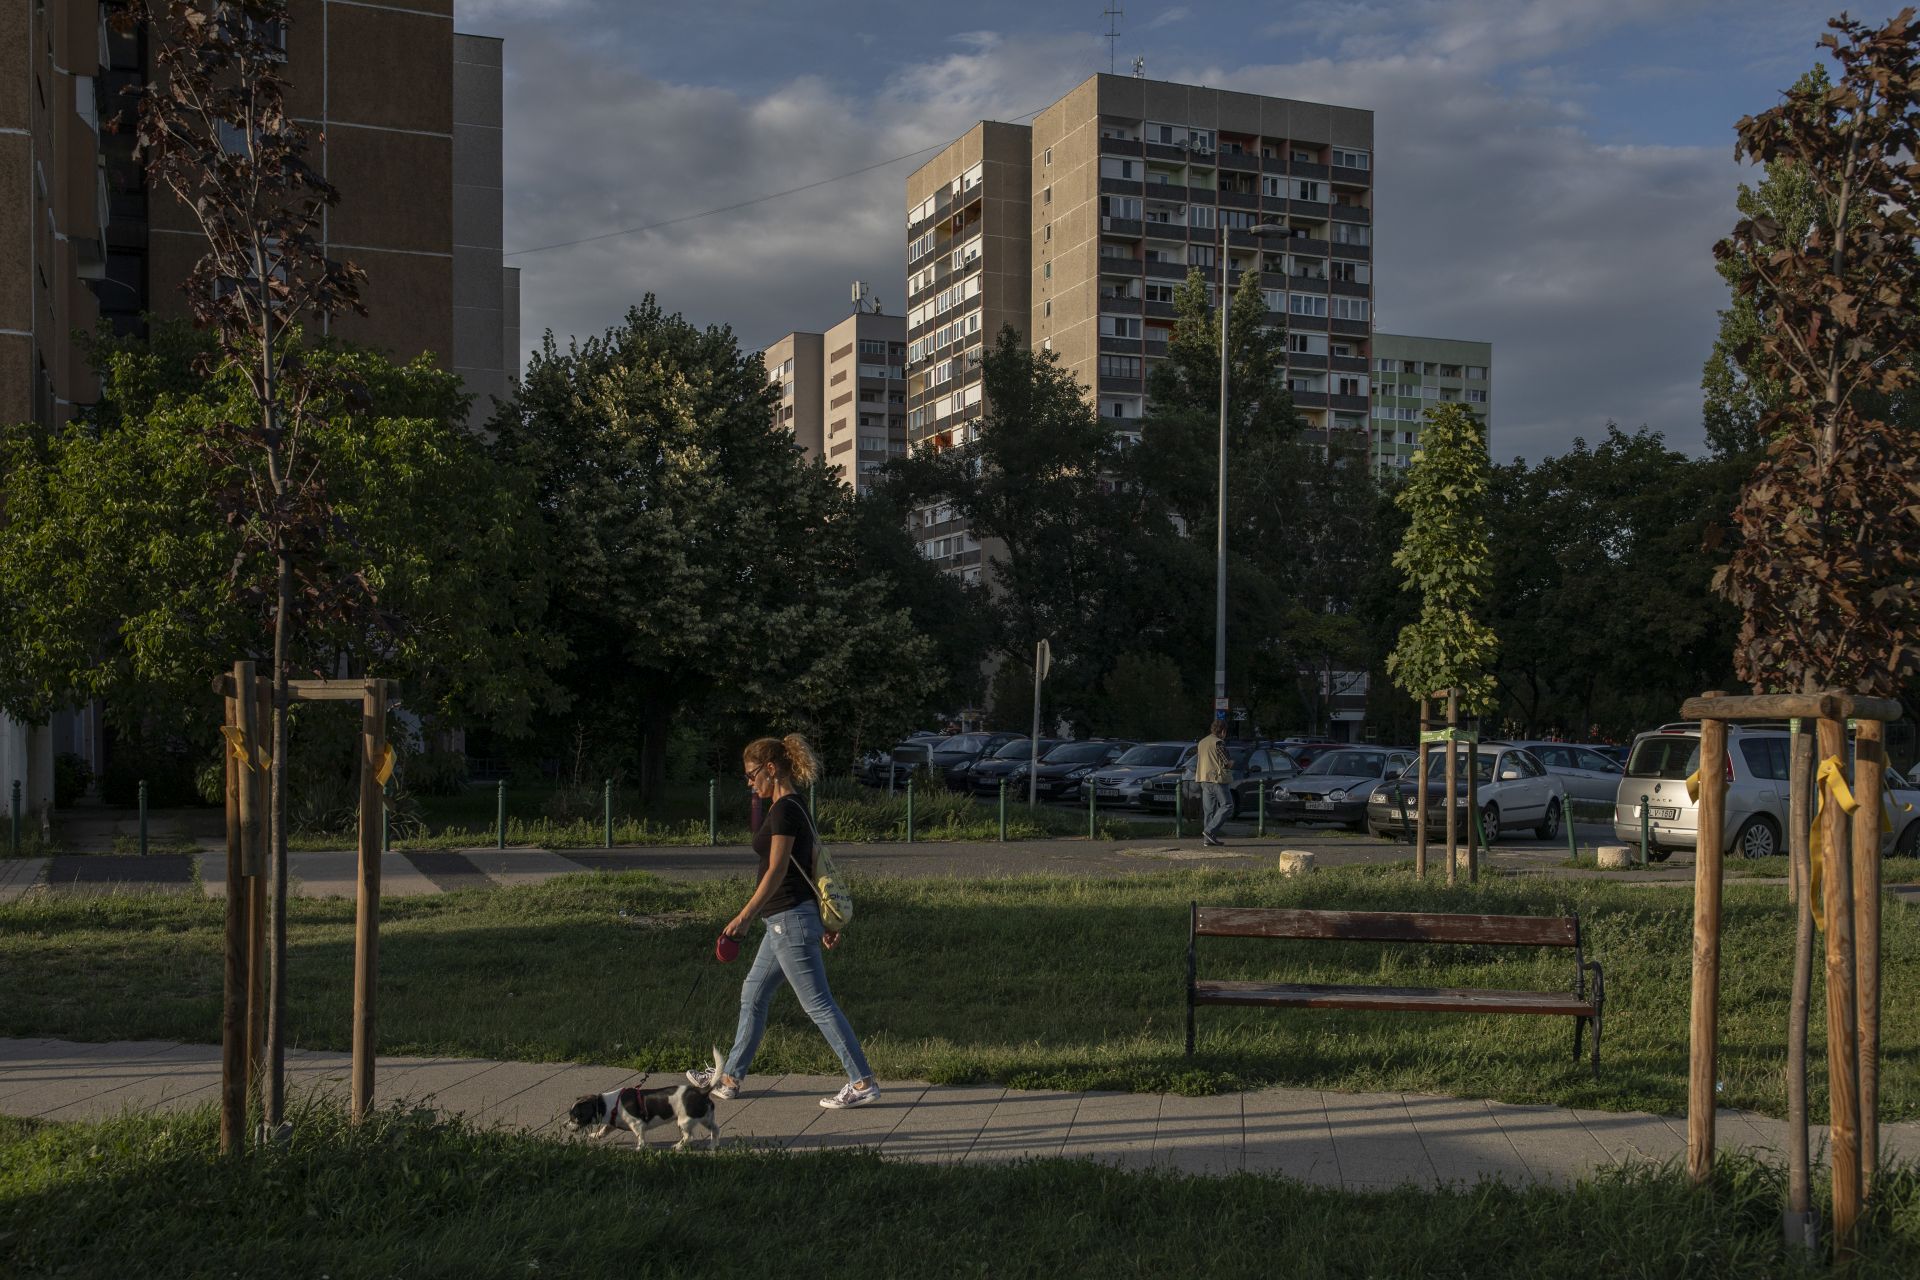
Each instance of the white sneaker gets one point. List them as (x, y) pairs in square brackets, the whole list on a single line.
[(851, 1095), (708, 1078)]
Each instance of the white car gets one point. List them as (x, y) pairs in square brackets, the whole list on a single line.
[(1514, 790), (1584, 772)]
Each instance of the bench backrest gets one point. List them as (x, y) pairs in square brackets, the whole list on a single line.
[(1385, 926)]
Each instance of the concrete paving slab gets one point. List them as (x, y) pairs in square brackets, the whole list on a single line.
[(505, 867), (1114, 1127), (859, 1127), (106, 1065), (1550, 1141), (779, 1112), (1201, 1135), (1369, 1143), (133, 1085), (1461, 1140), (1026, 1126), (337, 875), (1287, 1133), (18, 876), (1633, 1135), (945, 1124)]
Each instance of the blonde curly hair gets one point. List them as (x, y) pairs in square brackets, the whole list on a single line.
[(792, 757)]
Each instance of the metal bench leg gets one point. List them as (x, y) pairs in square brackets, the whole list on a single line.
[(1579, 1029), (1596, 1043)]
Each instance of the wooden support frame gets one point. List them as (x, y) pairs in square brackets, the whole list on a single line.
[(243, 1008), (1420, 790), (1849, 907)]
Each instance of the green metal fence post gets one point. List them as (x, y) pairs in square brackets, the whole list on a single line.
[(1179, 812), (1262, 792), (15, 839), (909, 810), (1573, 841), (500, 822), (1003, 811), (1480, 833), (143, 818), (1646, 831), (1093, 806), (386, 840), (606, 811), (713, 812)]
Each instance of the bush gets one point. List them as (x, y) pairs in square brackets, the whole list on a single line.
[(71, 777), (436, 773), (167, 771)]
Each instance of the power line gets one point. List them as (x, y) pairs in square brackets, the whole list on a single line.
[(745, 204)]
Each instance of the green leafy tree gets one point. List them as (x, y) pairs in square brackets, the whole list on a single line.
[(1147, 700), (1444, 558), (1827, 530), (130, 586), (703, 566)]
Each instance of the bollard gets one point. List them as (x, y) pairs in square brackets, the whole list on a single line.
[(143, 817), (16, 816), (1480, 833), (713, 812), (909, 810), (385, 839), (1003, 811), (1573, 842), (500, 823), (1261, 827), (1093, 805), (1179, 814), (1646, 831), (606, 813)]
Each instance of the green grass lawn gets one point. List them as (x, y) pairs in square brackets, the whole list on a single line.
[(408, 1195), (1034, 983)]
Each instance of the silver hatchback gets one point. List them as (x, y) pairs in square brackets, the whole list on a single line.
[(1658, 765)]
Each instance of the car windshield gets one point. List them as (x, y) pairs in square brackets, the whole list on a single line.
[(1164, 754), (1018, 749), (1352, 764), (1482, 766), (1078, 753), (1664, 756), (964, 742)]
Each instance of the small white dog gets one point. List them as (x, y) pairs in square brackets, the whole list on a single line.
[(688, 1106)]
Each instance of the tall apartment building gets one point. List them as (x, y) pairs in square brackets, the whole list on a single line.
[(844, 392), (410, 114), (1077, 229), (1412, 375)]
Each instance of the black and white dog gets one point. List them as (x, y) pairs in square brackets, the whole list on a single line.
[(687, 1106)]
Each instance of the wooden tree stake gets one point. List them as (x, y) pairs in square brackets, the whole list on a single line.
[(1420, 811), (1704, 1040), (1453, 780), (366, 920), (1868, 763), (233, 1010), (1842, 1045)]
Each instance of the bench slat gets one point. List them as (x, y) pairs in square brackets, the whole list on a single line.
[(1441, 1000), (1385, 926)]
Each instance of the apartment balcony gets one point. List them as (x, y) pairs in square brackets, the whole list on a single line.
[(1309, 399), (1351, 404), (1352, 177), (1350, 328), (1312, 210), (1307, 169), (1317, 324), (1273, 164), (1357, 252), (1165, 230), (1351, 213), (1161, 151), (942, 206), (1112, 346), (1351, 288), (1239, 160), (1154, 350), (1239, 200), (1167, 270), (1133, 228), (1120, 304), (1111, 266), (1303, 360), (1130, 147), (1163, 310), (1120, 186), (1302, 245), (1347, 364)]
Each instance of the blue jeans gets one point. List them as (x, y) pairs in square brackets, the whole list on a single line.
[(1217, 802), (790, 951)]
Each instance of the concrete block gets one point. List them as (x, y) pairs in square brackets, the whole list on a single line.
[(1295, 862)]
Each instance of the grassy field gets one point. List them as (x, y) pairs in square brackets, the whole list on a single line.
[(1034, 983), (408, 1195)]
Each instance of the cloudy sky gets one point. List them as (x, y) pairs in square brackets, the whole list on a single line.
[(1551, 174)]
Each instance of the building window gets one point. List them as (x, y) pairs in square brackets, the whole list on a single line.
[(873, 347), (1199, 255), (1304, 189), (1047, 307), (1350, 386), (1120, 366), (1307, 304), (1352, 159), (1350, 233), (1047, 232), (1476, 395), (1160, 293), (1047, 156), (1477, 372), (1046, 270), (1119, 326), (1046, 195)]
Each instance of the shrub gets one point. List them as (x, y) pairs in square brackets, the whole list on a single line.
[(436, 773), (71, 777)]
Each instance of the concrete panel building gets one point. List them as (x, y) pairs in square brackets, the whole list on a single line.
[(843, 393), (1412, 375)]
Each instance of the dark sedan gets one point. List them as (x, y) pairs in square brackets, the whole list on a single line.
[(1335, 787), (987, 774), (1063, 769)]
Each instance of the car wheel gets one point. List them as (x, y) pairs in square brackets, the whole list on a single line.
[(1909, 843), (1758, 837), (1657, 854), (1490, 824), (1550, 825)]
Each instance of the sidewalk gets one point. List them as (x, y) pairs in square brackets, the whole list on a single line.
[(1359, 1141)]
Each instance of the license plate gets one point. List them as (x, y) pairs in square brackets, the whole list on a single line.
[(1659, 813), (1111, 793), (1320, 804)]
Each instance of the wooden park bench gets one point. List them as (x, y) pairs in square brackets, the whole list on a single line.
[(1397, 926)]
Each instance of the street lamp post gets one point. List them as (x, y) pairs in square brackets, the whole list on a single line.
[(1220, 523)]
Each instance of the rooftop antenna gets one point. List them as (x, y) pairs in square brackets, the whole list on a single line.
[(1140, 68), (864, 300), (1112, 14)]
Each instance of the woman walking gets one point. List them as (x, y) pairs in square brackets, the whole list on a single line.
[(790, 949)]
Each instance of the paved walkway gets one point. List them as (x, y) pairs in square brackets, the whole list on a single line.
[(1353, 1140)]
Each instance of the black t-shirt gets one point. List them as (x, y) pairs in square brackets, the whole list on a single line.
[(787, 817)]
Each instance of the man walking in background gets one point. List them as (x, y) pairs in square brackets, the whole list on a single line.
[(1214, 772)]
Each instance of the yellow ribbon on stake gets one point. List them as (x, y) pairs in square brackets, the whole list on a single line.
[(1831, 780), (254, 758), (385, 771)]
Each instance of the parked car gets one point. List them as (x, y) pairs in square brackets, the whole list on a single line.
[(1304, 751), (1904, 841), (1124, 781), (986, 773), (1759, 791), (874, 767), (1065, 768), (1583, 770), (1253, 767), (1514, 789), (1335, 787), (949, 758)]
